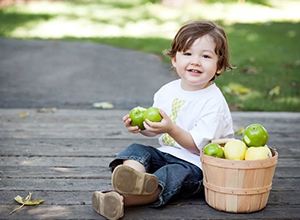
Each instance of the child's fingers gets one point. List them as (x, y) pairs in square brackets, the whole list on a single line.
[(151, 126), (162, 113), (126, 117), (147, 123), (134, 129)]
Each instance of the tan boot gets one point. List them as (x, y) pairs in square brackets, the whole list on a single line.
[(126, 180), (109, 204)]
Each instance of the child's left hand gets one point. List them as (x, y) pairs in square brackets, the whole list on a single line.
[(164, 126)]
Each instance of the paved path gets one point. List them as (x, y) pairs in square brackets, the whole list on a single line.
[(52, 73)]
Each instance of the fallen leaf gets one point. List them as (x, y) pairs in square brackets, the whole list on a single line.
[(275, 91), (292, 64), (236, 89), (23, 114), (240, 131), (47, 110), (27, 201), (249, 70), (103, 105)]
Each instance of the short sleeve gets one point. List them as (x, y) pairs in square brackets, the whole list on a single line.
[(211, 126)]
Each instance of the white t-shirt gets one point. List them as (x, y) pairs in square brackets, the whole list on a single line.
[(204, 113)]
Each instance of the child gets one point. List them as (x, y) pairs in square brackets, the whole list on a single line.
[(194, 112)]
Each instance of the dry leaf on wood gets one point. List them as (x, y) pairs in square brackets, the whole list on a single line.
[(103, 105), (46, 110), (23, 114), (26, 201)]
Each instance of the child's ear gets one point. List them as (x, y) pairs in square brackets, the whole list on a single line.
[(220, 70), (174, 61)]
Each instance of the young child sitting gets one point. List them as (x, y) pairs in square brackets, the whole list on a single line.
[(193, 111)]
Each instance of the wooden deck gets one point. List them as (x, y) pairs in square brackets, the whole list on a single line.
[(62, 157)]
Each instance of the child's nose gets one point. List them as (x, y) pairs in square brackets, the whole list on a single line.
[(196, 61)]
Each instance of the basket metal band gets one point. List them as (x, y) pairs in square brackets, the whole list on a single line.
[(234, 191)]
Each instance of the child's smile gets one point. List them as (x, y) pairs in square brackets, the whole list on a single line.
[(194, 71)]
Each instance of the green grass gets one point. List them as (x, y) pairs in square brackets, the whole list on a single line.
[(266, 54)]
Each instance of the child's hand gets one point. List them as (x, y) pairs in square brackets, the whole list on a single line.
[(164, 126), (127, 122)]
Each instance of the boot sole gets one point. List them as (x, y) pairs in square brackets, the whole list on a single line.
[(126, 180)]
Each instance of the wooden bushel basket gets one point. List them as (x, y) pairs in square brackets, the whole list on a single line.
[(237, 186)]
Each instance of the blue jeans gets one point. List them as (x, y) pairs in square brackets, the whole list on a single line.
[(177, 178)]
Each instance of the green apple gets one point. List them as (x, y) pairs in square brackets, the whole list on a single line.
[(213, 149), (152, 114), (137, 117), (255, 135), (235, 150)]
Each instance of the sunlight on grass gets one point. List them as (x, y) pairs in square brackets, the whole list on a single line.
[(288, 100), (95, 20), (133, 19)]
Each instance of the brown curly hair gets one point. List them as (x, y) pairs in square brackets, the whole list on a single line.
[(191, 31)]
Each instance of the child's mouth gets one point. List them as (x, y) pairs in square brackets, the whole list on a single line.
[(194, 71)]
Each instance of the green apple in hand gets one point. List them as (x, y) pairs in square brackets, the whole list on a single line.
[(137, 117), (152, 114), (213, 149), (139, 114)]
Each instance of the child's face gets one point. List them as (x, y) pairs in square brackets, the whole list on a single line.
[(198, 65)]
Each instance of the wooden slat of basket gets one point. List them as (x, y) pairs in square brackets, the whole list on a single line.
[(235, 191)]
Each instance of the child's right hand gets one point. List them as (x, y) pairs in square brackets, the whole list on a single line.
[(130, 128)]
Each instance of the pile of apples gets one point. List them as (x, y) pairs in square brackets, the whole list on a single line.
[(252, 147)]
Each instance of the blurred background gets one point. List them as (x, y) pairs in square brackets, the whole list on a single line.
[(263, 37)]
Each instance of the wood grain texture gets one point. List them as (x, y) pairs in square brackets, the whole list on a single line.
[(63, 157)]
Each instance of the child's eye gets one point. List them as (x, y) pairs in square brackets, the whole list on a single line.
[(206, 56), (187, 54)]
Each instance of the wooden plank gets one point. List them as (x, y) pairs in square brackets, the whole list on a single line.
[(50, 197), (95, 172), (26, 172), (116, 115), (181, 211), (73, 197), (84, 197), (89, 123), (50, 146), (98, 147), (11, 125), (71, 184), (93, 161), (68, 147), (56, 161), (88, 131), (66, 184)]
